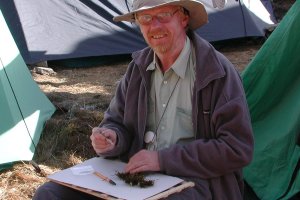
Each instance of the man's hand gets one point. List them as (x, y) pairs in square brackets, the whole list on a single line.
[(103, 139), (142, 161)]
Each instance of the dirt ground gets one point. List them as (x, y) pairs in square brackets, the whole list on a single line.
[(81, 95)]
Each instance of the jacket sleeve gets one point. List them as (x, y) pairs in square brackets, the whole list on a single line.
[(114, 118), (227, 147)]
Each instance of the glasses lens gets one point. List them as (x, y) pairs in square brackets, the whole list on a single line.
[(144, 19), (163, 17)]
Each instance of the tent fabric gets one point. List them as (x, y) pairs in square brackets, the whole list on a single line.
[(24, 108), (272, 85), (238, 19), (62, 29)]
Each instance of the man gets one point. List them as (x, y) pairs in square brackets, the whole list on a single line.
[(180, 109), (177, 89)]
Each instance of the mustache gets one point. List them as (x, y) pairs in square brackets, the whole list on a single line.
[(157, 32)]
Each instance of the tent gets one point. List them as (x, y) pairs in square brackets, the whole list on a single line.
[(23, 107), (272, 85), (60, 29)]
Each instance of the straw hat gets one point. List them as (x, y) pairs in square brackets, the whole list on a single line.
[(197, 12)]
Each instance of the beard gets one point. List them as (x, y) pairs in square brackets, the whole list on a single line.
[(162, 49)]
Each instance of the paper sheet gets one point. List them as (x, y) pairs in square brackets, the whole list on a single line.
[(109, 168)]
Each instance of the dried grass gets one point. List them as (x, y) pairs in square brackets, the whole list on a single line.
[(80, 96)]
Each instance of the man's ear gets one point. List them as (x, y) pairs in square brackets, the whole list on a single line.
[(185, 20)]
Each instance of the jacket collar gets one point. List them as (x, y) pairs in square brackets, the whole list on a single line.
[(208, 65)]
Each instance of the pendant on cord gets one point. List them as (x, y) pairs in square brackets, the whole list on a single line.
[(150, 137)]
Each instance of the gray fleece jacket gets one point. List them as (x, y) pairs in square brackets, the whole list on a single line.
[(221, 123)]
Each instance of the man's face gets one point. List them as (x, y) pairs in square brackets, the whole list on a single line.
[(163, 28)]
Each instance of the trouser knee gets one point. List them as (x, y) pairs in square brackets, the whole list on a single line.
[(45, 192)]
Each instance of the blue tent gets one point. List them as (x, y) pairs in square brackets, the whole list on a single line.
[(54, 30)]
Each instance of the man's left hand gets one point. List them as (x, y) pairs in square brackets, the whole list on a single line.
[(142, 161)]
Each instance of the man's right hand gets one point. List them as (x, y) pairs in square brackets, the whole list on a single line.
[(103, 139)]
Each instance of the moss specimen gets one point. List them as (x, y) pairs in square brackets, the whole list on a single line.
[(137, 179)]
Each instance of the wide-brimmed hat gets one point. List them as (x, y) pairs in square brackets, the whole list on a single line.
[(197, 12)]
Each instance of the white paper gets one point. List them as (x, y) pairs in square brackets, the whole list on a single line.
[(109, 168), (82, 170)]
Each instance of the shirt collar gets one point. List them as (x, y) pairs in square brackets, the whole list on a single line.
[(180, 65)]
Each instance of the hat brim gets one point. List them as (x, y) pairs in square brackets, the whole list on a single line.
[(197, 12)]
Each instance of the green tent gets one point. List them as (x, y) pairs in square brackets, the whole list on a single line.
[(23, 107), (272, 85)]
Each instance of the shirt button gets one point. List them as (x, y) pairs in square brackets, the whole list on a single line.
[(164, 105), (165, 82)]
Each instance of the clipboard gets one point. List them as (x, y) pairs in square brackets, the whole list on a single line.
[(164, 185), (178, 188)]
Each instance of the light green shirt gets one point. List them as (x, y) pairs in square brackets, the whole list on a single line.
[(175, 122)]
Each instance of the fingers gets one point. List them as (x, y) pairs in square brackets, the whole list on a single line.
[(143, 161), (110, 135), (103, 139), (137, 167)]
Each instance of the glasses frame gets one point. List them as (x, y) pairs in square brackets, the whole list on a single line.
[(162, 17)]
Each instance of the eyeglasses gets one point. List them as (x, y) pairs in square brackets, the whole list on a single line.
[(163, 17)]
